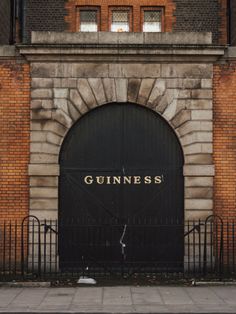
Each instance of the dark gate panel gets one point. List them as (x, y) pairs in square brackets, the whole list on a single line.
[(121, 175)]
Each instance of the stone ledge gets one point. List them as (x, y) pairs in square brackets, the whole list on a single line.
[(184, 38), (230, 54), (8, 51)]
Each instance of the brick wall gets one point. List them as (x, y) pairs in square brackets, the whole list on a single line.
[(233, 23), (225, 139), (202, 16), (180, 15), (4, 21), (14, 139), (136, 8), (44, 15)]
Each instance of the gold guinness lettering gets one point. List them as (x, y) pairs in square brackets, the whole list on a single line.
[(127, 180), (137, 180), (116, 180), (88, 179), (157, 179), (147, 180), (106, 180), (100, 180)]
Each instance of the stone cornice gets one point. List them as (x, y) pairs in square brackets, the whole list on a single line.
[(121, 47), (121, 52)]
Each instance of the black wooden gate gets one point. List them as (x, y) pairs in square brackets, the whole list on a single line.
[(121, 191)]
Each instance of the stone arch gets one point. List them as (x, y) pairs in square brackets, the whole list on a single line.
[(55, 110)]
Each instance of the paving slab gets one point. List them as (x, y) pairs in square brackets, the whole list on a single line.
[(126, 299)]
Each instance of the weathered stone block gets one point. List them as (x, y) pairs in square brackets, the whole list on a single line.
[(60, 103), (38, 136), (83, 70), (57, 82), (171, 110), (166, 100), (46, 148), (187, 70), (43, 69), (192, 83), (86, 93), (36, 125), (43, 204), (145, 90), (62, 118), (199, 170), (44, 170), (181, 117), (197, 214), (98, 90), (110, 89), (206, 83), (200, 181), (158, 90), (199, 192), (73, 111), (78, 101), (133, 89), (184, 93), (134, 70), (121, 89), (41, 83), (54, 138), (47, 104), (198, 204), (60, 92), (69, 82), (192, 149), (53, 126), (42, 192), (130, 38), (45, 214), (200, 104), (192, 126), (36, 104), (202, 93), (197, 137), (199, 159), (44, 181), (41, 114), (202, 115), (174, 83), (42, 158), (41, 93), (198, 148)]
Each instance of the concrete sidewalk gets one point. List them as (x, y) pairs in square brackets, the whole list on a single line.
[(163, 299)]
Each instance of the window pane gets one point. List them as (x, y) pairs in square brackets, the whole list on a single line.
[(88, 21), (152, 21), (120, 21)]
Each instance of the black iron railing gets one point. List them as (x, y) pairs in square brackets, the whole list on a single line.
[(34, 249)]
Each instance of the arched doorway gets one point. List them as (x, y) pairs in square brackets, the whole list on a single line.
[(121, 181)]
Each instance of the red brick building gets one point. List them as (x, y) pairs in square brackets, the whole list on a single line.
[(59, 62)]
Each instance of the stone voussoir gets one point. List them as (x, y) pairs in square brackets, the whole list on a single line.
[(121, 89)]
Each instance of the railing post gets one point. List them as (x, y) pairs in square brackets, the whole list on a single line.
[(23, 247)]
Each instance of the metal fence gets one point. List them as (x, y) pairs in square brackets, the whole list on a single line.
[(47, 250)]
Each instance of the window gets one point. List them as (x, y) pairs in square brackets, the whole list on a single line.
[(152, 20), (88, 19), (120, 20)]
